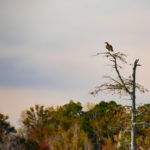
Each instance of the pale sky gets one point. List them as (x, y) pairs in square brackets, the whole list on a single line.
[(46, 49)]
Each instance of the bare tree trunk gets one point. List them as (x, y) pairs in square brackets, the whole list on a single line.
[(133, 125), (133, 119), (123, 84)]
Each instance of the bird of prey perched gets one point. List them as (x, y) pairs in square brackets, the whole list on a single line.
[(109, 47)]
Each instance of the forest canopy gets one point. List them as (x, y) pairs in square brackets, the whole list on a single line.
[(104, 126)]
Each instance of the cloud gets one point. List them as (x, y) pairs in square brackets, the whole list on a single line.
[(53, 71), (57, 24)]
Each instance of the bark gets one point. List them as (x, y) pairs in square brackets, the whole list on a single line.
[(133, 119)]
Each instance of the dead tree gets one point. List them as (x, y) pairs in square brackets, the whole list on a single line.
[(122, 85)]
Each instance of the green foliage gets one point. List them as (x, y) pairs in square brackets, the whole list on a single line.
[(105, 126), (68, 113), (39, 125), (32, 145), (5, 127), (85, 125), (143, 125), (72, 110)]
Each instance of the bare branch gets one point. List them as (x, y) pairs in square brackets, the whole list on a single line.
[(120, 84), (117, 71)]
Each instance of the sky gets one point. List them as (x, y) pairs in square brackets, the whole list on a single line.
[(47, 48)]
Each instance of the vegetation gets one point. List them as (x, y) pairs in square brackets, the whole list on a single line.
[(9, 139), (106, 126)]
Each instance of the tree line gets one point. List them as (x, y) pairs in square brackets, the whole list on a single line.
[(103, 126)]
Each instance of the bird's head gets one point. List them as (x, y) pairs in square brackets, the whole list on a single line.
[(106, 42)]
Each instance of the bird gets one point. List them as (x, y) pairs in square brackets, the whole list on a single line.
[(109, 47)]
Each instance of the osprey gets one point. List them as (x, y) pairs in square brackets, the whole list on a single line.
[(109, 47)]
